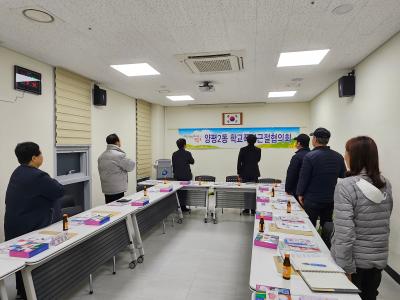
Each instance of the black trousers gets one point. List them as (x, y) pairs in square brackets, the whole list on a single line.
[(182, 196), (249, 199), (323, 211), (113, 197), (367, 281)]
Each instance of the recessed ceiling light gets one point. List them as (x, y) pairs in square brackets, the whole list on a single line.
[(164, 91), (342, 9), (38, 15), (180, 98), (142, 69), (281, 94), (301, 58)]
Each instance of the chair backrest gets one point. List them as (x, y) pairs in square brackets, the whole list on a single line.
[(232, 178), (205, 178), (269, 180)]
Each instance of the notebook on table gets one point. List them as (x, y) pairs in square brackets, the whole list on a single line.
[(323, 275)]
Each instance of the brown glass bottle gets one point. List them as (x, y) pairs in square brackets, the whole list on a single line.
[(273, 192), (261, 225), (287, 267), (289, 207), (65, 222), (145, 191)]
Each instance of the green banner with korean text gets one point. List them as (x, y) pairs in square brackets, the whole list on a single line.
[(230, 138)]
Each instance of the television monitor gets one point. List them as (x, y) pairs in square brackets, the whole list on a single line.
[(27, 80)]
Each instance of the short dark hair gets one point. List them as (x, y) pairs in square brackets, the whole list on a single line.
[(363, 154), (251, 139), (322, 141), (25, 151), (181, 143), (112, 139)]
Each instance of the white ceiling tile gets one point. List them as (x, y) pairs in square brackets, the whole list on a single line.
[(154, 31)]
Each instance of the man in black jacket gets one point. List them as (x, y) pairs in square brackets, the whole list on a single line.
[(31, 198), (181, 161), (293, 171), (318, 177), (247, 165)]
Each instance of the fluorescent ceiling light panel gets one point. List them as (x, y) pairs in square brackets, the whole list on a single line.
[(281, 94), (180, 98), (143, 69), (301, 58)]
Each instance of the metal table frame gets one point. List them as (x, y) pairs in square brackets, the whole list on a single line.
[(76, 262), (198, 196), (232, 197)]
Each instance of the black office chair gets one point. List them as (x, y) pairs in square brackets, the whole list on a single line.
[(232, 178), (206, 178), (269, 180)]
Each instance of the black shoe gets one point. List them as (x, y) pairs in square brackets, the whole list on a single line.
[(185, 209), (253, 212), (246, 212)]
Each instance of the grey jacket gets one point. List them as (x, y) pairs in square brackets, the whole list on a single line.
[(113, 168), (362, 217)]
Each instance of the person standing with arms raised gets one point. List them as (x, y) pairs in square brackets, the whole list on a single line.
[(113, 168), (247, 165), (318, 177), (181, 161)]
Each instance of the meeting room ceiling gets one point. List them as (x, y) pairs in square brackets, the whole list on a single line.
[(88, 36)]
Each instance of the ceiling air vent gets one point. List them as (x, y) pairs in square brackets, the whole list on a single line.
[(213, 62)]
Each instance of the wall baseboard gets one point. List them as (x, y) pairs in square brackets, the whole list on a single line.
[(393, 274)]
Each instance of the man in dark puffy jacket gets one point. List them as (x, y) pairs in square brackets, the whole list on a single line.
[(318, 177), (31, 198), (293, 171)]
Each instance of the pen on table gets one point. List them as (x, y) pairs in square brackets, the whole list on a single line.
[(315, 265)]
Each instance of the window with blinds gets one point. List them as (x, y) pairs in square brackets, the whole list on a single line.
[(143, 139), (73, 108)]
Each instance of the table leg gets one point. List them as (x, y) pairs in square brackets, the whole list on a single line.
[(137, 239), (180, 214), (131, 233), (215, 207), (207, 205), (28, 284), (3, 290)]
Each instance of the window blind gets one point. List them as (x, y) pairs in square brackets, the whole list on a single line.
[(143, 139), (73, 108)]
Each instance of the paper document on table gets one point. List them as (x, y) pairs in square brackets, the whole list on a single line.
[(106, 212), (274, 228), (312, 298), (292, 226)]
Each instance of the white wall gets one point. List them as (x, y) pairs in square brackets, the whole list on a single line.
[(119, 116), (221, 163), (28, 119), (374, 111), (157, 134)]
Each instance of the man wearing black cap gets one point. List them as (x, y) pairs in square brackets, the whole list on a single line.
[(293, 171), (318, 177)]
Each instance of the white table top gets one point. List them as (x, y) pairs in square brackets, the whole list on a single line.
[(84, 232), (263, 269), (193, 184), (9, 267)]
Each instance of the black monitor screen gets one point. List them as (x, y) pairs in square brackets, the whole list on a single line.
[(27, 80)]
